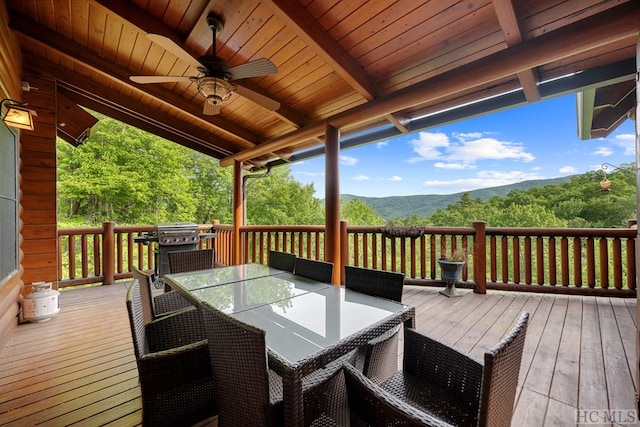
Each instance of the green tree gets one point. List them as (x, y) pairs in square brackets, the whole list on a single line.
[(281, 200), (358, 212)]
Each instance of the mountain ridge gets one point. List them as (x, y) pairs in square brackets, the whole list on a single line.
[(401, 207)]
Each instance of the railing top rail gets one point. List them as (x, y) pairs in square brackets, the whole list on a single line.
[(273, 228), (562, 232), (77, 231), (427, 230)]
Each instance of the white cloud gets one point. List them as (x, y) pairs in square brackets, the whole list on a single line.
[(361, 178), (603, 151), (483, 179), (627, 141), (427, 145), (568, 169), (348, 160), (467, 136), (456, 166), (305, 173), (466, 149), (489, 148), (395, 178), (381, 144)]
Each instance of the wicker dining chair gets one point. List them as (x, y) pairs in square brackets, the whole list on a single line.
[(200, 259), (322, 271), (248, 393), (378, 359), (443, 383), (158, 305), (281, 260), (174, 370)]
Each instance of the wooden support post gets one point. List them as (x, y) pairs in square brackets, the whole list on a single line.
[(332, 200), (344, 249), (108, 252), (238, 213), (480, 257)]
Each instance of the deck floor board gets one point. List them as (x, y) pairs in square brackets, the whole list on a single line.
[(78, 368)]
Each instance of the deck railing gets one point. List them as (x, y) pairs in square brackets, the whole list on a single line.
[(566, 260)]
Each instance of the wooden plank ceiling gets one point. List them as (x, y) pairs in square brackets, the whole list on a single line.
[(362, 65)]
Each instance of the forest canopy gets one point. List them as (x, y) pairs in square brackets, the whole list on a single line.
[(126, 175)]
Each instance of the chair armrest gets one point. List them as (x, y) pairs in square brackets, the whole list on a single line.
[(436, 363), (374, 406), (170, 301), (168, 369), (175, 330)]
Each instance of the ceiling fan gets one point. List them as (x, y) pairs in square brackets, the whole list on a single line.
[(216, 78)]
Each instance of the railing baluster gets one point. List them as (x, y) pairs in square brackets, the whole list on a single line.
[(564, 261), (551, 260), (604, 263), (540, 260), (617, 263), (516, 259)]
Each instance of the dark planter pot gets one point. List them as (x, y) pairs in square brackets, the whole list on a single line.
[(451, 272)]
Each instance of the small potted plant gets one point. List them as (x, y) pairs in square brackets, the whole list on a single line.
[(451, 266)]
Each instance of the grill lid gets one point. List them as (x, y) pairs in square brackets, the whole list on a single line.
[(177, 233)]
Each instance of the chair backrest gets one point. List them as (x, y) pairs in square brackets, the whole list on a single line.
[(500, 377), (144, 280), (239, 362), (136, 319), (281, 260), (378, 283), (373, 406), (321, 271), (201, 259)]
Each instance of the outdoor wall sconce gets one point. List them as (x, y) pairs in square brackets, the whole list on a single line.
[(17, 116)]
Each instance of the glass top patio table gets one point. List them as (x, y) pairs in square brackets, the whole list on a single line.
[(191, 280), (307, 324), (276, 290), (307, 331)]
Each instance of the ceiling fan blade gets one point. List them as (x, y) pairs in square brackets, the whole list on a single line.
[(159, 79), (209, 109), (259, 67), (176, 49), (259, 99)]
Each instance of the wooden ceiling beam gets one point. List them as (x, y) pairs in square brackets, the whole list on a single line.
[(616, 24), (73, 51), (138, 122), (158, 123), (508, 21), (304, 25)]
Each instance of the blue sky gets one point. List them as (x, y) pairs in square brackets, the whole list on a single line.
[(535, 141)]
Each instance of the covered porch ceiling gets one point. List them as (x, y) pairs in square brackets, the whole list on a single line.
[(372, 69)]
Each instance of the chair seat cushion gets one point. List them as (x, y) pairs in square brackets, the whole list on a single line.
[(432, 400)]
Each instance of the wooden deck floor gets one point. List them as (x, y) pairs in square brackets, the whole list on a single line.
[(78, 368)]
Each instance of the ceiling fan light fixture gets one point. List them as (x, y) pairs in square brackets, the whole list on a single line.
[(215, 90)]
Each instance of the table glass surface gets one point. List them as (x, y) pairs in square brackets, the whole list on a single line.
[(191, 280), (301, 326), (278, 291)]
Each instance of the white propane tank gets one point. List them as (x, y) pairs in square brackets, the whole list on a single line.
[(41, 304)]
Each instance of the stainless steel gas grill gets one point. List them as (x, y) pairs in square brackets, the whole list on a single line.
[(169, 237)]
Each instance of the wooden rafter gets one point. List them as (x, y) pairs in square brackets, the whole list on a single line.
[(513, 36), (305, 26)]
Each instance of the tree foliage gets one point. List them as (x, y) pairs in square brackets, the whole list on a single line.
[(126, 175), (357, 212)]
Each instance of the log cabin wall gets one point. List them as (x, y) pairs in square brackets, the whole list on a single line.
[(38, 185), (10, 87)]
